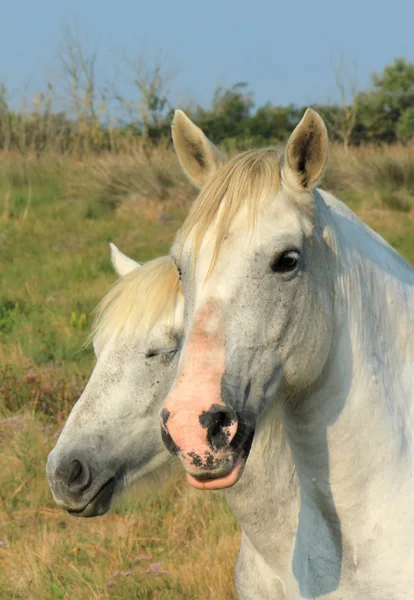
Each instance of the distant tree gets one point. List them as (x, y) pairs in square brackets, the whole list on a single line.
[(381, 109), (273, 123), (331, 114), (5, 119), (78, 73), (341, 119), (405, 125), (78, 77), (148, 115), (229, 114)]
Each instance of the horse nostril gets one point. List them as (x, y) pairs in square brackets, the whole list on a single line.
[(75, 472), (218, 421), (78, 476)]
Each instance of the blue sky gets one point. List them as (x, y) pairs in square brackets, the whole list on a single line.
[(282, 49)]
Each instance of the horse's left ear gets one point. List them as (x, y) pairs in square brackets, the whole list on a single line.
[(198, 157), (122, 263), (306, 152)]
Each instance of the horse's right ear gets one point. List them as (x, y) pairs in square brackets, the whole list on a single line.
[(198, 157), (122, 263)]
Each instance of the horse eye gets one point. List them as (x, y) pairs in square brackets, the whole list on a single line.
[(286, 262), (167, 357), (161, 354)]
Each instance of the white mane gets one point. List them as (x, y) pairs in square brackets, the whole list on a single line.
[(137, 300)]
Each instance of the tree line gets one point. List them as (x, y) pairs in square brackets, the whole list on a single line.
[(383, 114)]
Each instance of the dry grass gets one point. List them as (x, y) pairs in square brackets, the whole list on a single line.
[(381, 177), (147, 178), (164, 541), (148, 182), (151, 180)]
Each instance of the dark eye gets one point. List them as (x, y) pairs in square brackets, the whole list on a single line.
[(286, 262), (161, 354)]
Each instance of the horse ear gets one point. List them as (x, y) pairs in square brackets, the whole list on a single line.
[(198, 157), (306, 152), (121, 263)]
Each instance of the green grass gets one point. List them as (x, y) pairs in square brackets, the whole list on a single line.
[(55, 267)]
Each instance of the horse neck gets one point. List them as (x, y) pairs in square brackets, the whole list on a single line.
[(355, 425), (265, 501)]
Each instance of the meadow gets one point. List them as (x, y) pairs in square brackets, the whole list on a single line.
[(162, 540)]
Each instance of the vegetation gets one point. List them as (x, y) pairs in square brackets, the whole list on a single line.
[(75, 116)]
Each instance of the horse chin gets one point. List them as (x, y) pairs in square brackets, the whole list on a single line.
[(223, 481), (100, 503)]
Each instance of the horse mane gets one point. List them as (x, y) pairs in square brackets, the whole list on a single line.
[(248, 179), (138, 300)]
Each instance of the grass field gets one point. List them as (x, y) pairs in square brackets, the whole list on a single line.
[(162, 540)]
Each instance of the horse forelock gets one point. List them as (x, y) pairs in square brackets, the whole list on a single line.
[(249, 180), (138, 300)]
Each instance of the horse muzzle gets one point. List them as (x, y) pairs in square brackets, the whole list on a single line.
[(77, 487)]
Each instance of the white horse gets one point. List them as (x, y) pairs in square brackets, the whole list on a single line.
[(295, 307), (112, 435)]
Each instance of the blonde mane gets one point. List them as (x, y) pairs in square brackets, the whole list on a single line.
[(249, 179), (138, 300)]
